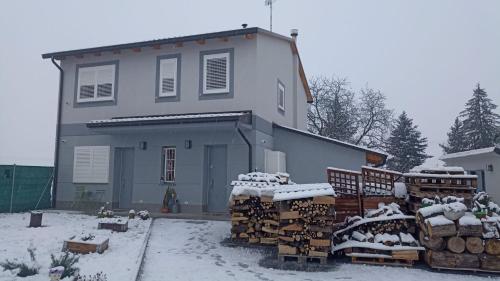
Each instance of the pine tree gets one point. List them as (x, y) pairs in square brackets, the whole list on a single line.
[(406, 145), (456, 138), (481, 123)]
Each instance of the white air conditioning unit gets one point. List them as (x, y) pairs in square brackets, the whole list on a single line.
[(275, 161)]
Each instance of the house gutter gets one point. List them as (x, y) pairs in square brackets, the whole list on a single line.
[(58, 132), (249, 147)]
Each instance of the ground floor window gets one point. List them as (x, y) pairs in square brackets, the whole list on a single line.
[(168, 164)]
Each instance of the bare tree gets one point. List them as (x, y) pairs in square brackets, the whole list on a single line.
[(373, 120), (333, 111)]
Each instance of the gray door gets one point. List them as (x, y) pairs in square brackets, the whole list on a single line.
[(124, 176), (216, 184)]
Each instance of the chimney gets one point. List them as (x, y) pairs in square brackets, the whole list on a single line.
[(294, 33), (244, 25)]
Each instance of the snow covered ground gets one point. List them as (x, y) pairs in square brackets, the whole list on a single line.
[(191, 250), (119, 262)]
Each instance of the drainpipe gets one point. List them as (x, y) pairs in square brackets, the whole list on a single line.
[(249, 147), (58, 133)]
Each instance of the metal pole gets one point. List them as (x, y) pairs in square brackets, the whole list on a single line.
[(12, 188), (271, 17)]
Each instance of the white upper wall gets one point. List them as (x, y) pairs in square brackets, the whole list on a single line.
[(258, 64)]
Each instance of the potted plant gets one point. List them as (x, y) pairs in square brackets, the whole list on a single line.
[(166, 206)]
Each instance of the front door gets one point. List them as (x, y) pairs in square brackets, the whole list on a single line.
[(124, 176), (216, 184)]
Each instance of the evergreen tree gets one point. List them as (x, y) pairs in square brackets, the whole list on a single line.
[(456, 138), (481, 123), (406, 145)]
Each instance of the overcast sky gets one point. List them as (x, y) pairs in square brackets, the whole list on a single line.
[(426, 56)]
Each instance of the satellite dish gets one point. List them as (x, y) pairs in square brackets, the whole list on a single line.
[(270, 4)]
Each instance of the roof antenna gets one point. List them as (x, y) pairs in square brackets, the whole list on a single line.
[(270, 4), (244, 25)]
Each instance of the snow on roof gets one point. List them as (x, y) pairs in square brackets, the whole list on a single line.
[(334, 140), (168, 117), (471, 152), (375, 246), (299, 191)]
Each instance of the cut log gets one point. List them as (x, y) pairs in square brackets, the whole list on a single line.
[(456, 244), (287, 238), (287, 250), (405, 255), (441, 259), (470, 230), (290, 215), (320, 242), (490, 262), (453, 214), (292, 227), (492, 247), (317, 254), (269, 230), (467, 260), (474, 245), (440, 229), (433, 243), (327, 200)]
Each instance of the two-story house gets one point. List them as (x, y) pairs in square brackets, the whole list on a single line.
[(191, 112)]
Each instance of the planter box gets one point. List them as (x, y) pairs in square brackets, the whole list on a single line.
[(97, 245), (114, 225)]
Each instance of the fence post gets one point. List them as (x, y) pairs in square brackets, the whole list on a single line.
[(12, 188)]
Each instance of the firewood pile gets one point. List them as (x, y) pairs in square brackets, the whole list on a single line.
[(306, 218), (254, 215), (383, 236), (457, 237), (424, 182)]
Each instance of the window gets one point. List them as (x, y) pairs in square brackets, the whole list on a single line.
[(216, 69), (91, 164), (281, 96), (96, 83), (167, 77), (168, 164)]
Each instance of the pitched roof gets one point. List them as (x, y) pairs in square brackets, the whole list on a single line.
[(335, 141), (471, 152), (189, 38)]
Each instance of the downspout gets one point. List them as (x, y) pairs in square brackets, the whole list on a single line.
[(58, 133), (249, 147)]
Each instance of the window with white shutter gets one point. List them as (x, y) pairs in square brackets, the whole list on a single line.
[(216, 69), (168, 78), (96, 83), (91, 164), (281, 96)]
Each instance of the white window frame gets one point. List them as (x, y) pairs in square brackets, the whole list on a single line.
[(176, 75), (165, 160), (95, 69), (226, 55), (281, 87), (93, 175)]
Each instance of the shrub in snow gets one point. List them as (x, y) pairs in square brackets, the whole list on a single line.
[(143, 214), (131, 214), (22, 269), (67, 261), (104, 212), (97, 277)]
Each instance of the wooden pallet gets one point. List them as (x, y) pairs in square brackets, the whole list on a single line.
[(474, 270), (302, 259), (359, 258)]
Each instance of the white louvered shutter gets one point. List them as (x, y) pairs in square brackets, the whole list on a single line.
[(91, 164), (168, 77), (216, 73)]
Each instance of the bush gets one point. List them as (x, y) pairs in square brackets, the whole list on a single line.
[(66, 260), (97, 277), (24, 269)]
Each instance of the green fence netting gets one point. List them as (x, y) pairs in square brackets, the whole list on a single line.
[(24, 188)]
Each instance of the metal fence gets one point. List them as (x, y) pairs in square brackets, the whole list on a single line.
[(24, 188)]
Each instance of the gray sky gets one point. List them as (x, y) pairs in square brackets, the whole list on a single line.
[(426, 56)]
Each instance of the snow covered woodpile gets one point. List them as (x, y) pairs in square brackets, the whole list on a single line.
[(424, 182), (456, 236), (254, 215), (306, 219), (384, 236)]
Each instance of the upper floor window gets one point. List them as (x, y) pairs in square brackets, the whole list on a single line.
[(168, 68), (216, 72), (281, 96), (96, 83)]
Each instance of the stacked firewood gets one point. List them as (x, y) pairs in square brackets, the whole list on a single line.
[(383, 234), (456, 237), (254, 215), (306, 221)]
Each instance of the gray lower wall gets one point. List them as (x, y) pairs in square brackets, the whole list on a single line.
[(307, 158)]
